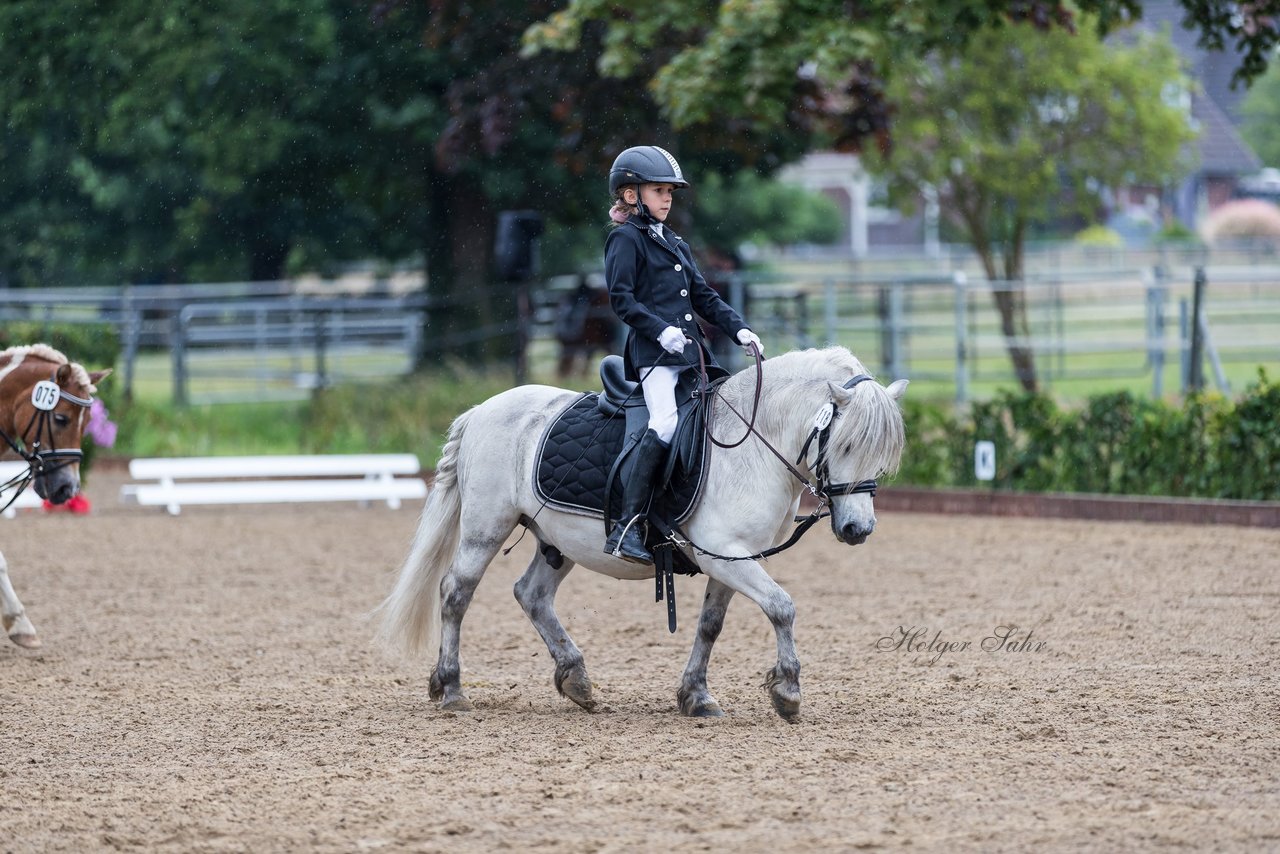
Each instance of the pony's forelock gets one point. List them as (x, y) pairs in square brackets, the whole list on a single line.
[(49, 354), (870, 428)]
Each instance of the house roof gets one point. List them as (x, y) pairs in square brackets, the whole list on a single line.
[(1213, 69), (1222, 150), (1216, 108)]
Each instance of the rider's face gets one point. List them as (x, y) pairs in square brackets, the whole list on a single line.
[(657, 198)]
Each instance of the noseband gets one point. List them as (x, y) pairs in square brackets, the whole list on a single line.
[(42, 460)]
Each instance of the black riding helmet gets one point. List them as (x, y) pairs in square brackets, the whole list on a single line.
[(645, 164)]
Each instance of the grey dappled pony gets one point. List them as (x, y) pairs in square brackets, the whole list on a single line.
[(484, 488)]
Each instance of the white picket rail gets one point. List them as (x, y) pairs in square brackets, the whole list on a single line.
[(273, 479)]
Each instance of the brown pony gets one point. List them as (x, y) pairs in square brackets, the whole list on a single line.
[(44, 405)]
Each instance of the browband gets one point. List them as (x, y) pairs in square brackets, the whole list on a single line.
[(860, 378)]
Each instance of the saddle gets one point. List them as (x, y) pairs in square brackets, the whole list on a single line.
[(583, 458)]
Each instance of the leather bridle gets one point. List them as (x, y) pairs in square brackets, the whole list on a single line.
[(41, 460), (820, 487)]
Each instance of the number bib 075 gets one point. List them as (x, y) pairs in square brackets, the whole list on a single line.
[(45, 395)]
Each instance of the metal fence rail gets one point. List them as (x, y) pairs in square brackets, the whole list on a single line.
[(285, 348), (1082, 325), (269, 341), (240, 341)]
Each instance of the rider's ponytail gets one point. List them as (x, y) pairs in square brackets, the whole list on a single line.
[(621, 211)]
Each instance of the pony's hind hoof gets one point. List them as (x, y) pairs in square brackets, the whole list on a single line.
[(698, 703), (25, 640), (457, 704)]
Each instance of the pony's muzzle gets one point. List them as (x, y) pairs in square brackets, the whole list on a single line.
[(854, 533), (57, 488)]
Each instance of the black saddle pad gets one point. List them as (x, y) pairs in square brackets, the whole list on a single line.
[(577, 452)]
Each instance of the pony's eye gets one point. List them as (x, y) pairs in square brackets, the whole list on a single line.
[(60, 419)]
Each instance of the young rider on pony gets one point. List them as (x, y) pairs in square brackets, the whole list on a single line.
[(656, 289)]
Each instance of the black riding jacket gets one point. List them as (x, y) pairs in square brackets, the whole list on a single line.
[(655, 283)]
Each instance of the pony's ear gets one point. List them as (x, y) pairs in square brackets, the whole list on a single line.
[(839, 393), (897, 389), (96, 377)]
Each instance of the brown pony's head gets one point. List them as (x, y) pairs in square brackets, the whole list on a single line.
[(44, 406)]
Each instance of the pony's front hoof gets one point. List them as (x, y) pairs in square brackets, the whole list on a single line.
[(787, 707), (21, 631), (574, 684), (784, 693), (457, 704), (26, 640)]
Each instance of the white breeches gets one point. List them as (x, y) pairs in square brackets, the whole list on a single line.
[(659, 386)]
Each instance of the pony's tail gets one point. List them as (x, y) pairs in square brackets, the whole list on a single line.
[(410, 617)]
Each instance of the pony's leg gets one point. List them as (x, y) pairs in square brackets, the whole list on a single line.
[(694, 698), (456, 588), (12, 613), (536, 593), (747, 577)]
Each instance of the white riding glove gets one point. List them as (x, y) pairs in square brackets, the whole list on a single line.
[(672, 340), (746, 338)]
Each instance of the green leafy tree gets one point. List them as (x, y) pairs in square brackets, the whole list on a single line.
[(535, 130), (748, 208), (194, 140), (1018, 96), (1002, 128), (823, 65)]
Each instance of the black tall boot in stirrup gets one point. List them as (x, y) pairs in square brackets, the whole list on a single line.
[(626, 540)]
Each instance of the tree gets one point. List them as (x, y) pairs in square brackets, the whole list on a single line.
[(837, 69), (237, 139), (824, 64), (536, 130), (498, 131), (748, 208), (222, 139), (1000, 130)]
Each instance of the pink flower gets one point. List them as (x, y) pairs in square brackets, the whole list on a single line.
[(101, 429)]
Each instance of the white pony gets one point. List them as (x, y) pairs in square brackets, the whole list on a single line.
[(484, 488)]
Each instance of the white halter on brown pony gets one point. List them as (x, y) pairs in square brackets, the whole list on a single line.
[(44, 405)]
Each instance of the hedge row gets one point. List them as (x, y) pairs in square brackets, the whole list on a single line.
[(1206, 446)]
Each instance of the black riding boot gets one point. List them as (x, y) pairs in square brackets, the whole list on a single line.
[(626, 540)]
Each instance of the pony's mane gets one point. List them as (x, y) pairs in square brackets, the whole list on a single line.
[(49, 354), (869, 432)]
